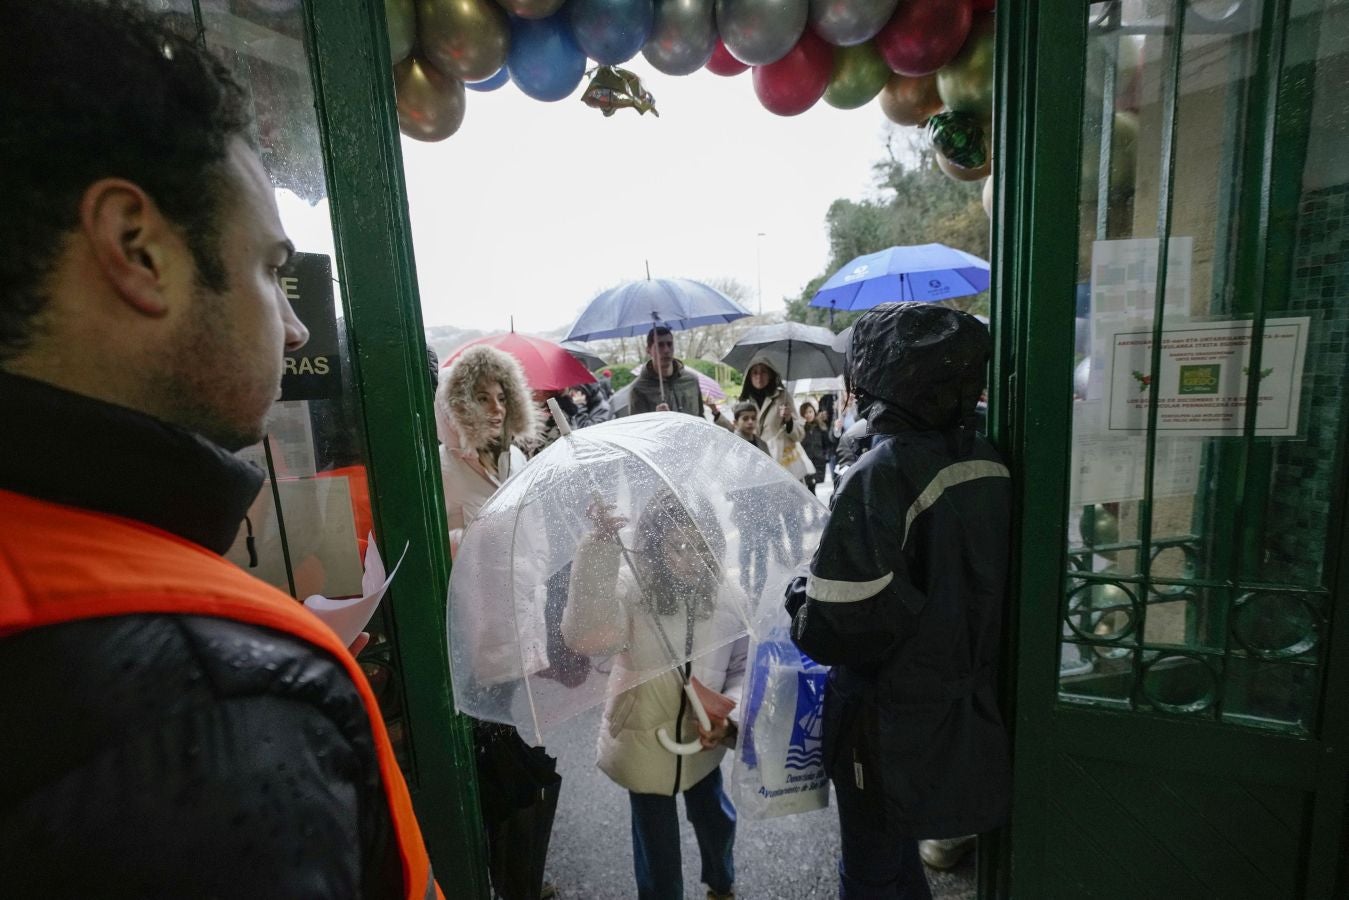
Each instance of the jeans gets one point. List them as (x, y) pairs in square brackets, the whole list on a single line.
[(875, 862), (655, 840)]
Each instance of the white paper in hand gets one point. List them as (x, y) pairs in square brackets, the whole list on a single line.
[(349, 617)]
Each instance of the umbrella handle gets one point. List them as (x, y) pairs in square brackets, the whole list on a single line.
[(697, 705), (668, 743), (559, 418), (692, 747)]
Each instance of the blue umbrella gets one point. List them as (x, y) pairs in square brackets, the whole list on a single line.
[(634, 307), (925, 273)]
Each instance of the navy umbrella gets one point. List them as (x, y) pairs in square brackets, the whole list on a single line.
[(632, 309), (922, 273)]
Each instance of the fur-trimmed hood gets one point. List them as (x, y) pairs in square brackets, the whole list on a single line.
[(460, 422)]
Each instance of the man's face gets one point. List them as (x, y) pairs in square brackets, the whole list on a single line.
[(662, 350), (228, 355), (747, 424)]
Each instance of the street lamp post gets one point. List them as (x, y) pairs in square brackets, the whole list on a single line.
[(759, 260)]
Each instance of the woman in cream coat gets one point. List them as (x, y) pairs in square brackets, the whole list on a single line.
[(612, 609), (779, 426), (484, 415)]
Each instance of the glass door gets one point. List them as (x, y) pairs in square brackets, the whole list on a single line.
[(1180, 434), (350, 451)]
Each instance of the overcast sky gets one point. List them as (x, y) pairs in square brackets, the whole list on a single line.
[(533, 207)]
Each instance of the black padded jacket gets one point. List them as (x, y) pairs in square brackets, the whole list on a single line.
[(151, 756)]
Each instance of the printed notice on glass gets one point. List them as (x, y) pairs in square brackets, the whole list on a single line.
[(1110, 468), (1202, 378), (1124, 290)]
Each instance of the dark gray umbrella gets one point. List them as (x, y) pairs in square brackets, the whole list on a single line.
[(795, 350), (584, 356)]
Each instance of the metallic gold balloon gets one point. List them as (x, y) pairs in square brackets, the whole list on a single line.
[(532, 9), (683, 37), (966, 82), (910, 101), (847, 23), (859, 74), (759, 32), (1123, 158), (960, 173), (468, 39), (402, 19), (430, 104)]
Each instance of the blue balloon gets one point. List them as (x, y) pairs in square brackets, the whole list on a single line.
[(544, 60), (491, 83), (612, 31)]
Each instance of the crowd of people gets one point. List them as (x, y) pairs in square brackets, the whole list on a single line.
[(182, 729)]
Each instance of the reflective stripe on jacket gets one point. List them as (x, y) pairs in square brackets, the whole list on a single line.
[(67, 564)]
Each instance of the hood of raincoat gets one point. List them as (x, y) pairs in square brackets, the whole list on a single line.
[(747, 391), (460, 421), (922, 364)]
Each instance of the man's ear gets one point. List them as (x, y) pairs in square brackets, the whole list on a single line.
[(132, 242)]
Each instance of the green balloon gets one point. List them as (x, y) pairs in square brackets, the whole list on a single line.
[(402, 18), (960, 138), (859, 75), (966, 82), (1123, 158)]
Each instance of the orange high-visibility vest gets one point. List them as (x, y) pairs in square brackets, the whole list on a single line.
[(61, 564)]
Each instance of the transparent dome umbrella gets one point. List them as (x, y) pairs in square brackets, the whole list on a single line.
[(621, 552)]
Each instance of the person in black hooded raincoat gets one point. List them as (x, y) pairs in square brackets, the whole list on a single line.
[(904, 600)]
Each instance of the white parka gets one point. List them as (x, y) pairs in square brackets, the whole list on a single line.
[(463, 430), (602, 617)]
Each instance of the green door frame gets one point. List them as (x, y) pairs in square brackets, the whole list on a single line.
[(353, 88), (1040, 82)]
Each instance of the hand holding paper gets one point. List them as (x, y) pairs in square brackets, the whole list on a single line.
[(349, 617)]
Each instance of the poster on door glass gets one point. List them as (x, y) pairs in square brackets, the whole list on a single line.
[(1124, 290), (1202, 375), (1108, 468)]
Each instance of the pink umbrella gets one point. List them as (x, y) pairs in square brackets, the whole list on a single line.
[(547, 364), (708, 387), (711, 389)]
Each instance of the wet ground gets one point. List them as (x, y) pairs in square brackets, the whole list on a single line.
[(789, 858)]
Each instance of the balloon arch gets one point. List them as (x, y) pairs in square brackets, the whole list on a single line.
[(929, 61)]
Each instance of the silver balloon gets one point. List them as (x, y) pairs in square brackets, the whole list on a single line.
[(847, 23), (759, 32), (683, 37)]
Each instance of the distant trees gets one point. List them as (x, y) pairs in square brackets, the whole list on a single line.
[(915, 204)]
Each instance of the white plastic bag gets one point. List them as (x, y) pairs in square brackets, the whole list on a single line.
[(779, 762)]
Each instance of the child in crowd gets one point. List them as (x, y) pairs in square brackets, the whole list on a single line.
[(813, 443), (747, 423)]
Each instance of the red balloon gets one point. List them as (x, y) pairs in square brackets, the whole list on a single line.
[(984, 5), (723, 63), (796, 82), (924, 35)]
